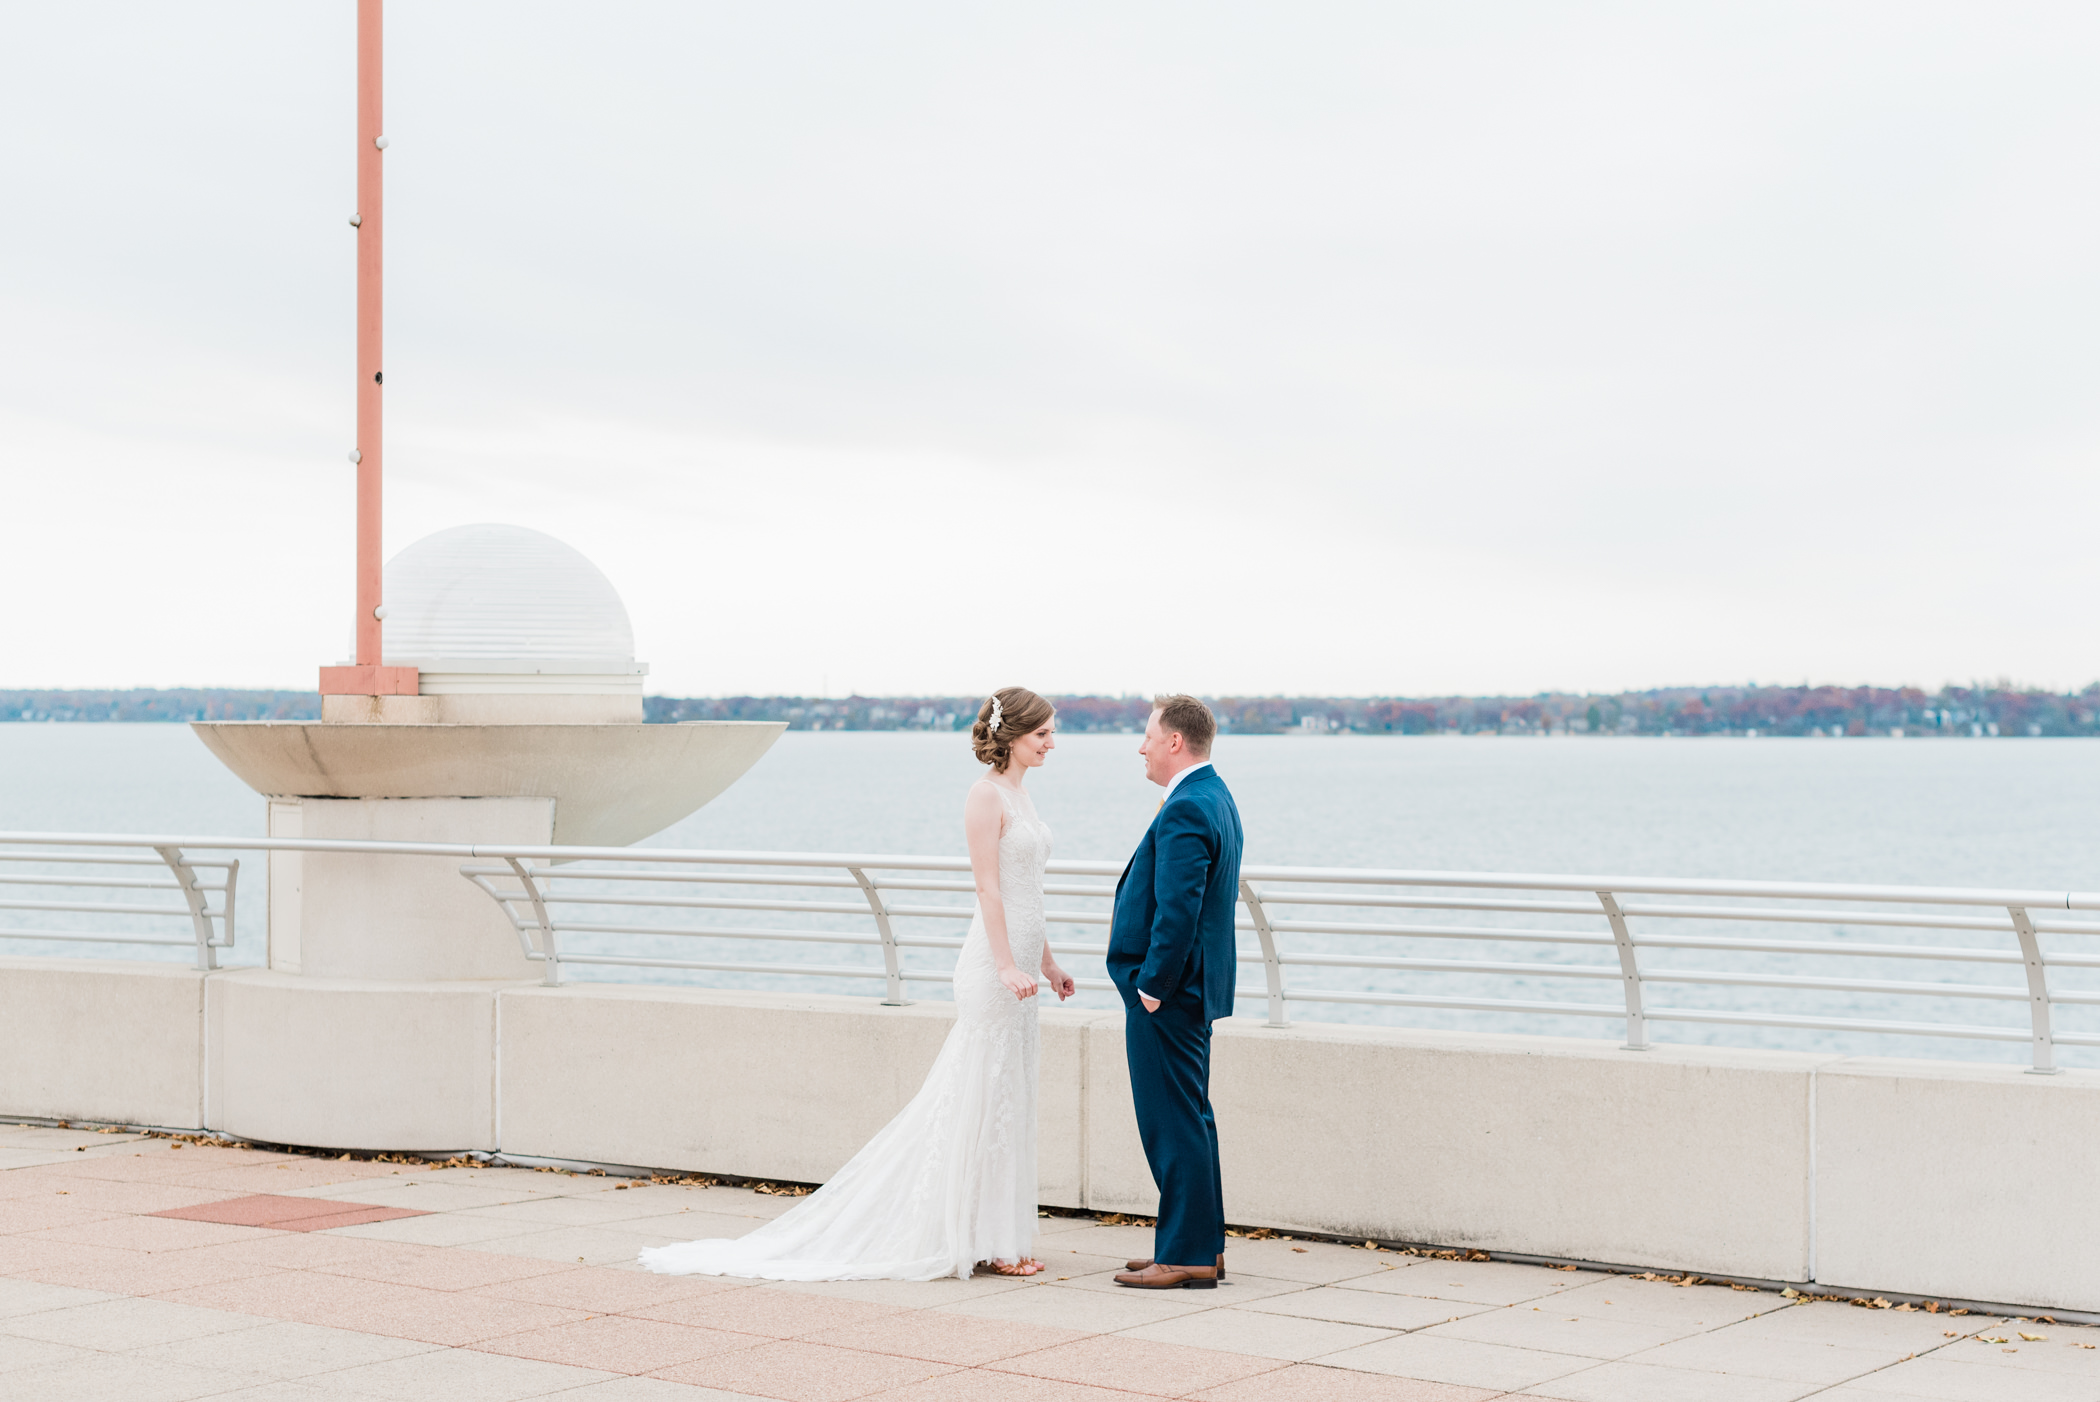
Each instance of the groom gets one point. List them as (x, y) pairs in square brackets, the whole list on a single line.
[(1172, 955)]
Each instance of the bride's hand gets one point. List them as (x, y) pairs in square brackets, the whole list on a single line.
[(1022, 985), (1060, 982)]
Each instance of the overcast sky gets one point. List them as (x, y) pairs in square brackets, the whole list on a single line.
[(1378, 348)]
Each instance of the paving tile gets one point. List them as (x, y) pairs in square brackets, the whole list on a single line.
[(1237, 1289), (1088, 1311), (977, 1385), (2056, 1351), (1376, 1311), (118, 1272), (648, 1390), (593, 1246), (45, 1211), (461, 1375), (1638, 1382), (454, 1318), (1312, 1263), (1112, 1243), (1061, 1265), (603, 1290), (690, 1225), (586, 1210), (774, 1314), (125, 1324), (1653, 1302), (1286, 1337), (797, 1371), (284, 1213), (1459, 1361), (149, 1233), (1757, 1355), (1475, 1282), (1137, 1365), (619, 1344), (116, 1377), (434, 1229), (433, 1268), (106, 1195), (1848, 1393), (911, 1294), (1959, 1380), (418, 1193), (1312, 1382), (283, 1349), (1849, 1326), (19, 1353), (1548, 1327), (942, 1337), (29, 1296)]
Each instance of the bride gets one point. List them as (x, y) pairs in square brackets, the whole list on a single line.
[(949, 1184)]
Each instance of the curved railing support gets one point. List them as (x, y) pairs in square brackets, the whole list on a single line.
[(892, 965), (1271, 966), (200, 912), (523, 871), (2037, 992), (1629, 973)]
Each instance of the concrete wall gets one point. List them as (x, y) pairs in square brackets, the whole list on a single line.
[(1913, 1177)]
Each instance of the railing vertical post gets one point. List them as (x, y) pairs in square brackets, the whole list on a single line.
[(1271, 966), (1629, 972), (548, 953), (2037, 993), (200, 913), (233, 877), (892, 966)]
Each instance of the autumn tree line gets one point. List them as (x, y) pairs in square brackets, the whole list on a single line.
[(1981, 710)]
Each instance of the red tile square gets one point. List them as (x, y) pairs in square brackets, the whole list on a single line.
[(286, 1214)]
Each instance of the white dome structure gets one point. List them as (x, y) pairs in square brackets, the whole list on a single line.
[(504, 593), (502, 611)]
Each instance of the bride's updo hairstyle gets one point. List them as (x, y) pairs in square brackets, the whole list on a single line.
[(1020, 711)]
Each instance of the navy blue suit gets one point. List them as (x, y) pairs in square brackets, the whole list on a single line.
[(1172, 936)]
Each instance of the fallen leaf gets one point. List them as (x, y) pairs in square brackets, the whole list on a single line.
[(2034, 1338), (1299, 1249)]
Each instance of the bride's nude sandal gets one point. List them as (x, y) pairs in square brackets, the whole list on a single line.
[(1031, 1266)]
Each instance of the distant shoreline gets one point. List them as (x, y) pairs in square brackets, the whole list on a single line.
[(1983, 711)]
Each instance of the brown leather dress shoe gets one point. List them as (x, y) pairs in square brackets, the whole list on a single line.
[(1158, 1277), (1140, 1265)]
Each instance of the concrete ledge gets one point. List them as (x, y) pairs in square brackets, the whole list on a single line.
[(1958, 1180), (343, 1064), (103, 1040)]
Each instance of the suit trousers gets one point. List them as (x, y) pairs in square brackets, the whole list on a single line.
[(1169, 1054)]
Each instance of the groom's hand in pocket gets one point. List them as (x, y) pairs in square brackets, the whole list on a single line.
[(1151, 1004)]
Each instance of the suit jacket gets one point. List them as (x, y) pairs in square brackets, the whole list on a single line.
[(1176, 902)]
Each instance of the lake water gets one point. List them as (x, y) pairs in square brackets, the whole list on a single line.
[(2003, 813)]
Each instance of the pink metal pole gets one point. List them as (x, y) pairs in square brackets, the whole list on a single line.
[(371, 210)]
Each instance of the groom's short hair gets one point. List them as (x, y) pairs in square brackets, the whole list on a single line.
[(1190, 718)]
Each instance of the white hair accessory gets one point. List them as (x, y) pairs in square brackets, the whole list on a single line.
[(997, 716)]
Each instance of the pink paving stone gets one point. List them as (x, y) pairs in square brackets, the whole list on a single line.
[(109, 1195), (603, 1290), (945, 1338), (777, 1314), (441, 1268), (802, 1372), (1308, 1382), (1138, 1365), (40, 1213), (119, 1272), (617, 1344), (376, 1307), (287, 1214)]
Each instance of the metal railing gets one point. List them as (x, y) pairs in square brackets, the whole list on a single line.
[(1304, 929), (36, 880)]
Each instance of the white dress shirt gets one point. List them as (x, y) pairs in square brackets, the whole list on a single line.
[(1172, 784)]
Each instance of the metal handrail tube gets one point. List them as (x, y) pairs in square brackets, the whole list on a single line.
[(1840, 985), (1821, 917), (1455, 932), (1424, 1000), (1436, 966), (713, 878), (98, 907), (869, 971), (92, 939), (712, 903), (1842, 1024), (1434, 903), (1955, 954), (721, 932), (71, 859), (111, 883)]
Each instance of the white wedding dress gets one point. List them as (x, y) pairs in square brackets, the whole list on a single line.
[(951, 1180)]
